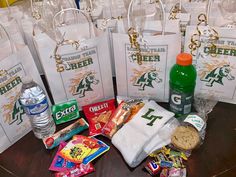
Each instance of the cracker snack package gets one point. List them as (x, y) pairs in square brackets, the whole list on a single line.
[(98, 115)]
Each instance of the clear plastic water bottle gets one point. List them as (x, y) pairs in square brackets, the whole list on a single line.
[(34, 101)]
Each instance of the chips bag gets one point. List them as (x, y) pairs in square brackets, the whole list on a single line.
[(59, 163), (82, 149), (98, 115), (117, 119)]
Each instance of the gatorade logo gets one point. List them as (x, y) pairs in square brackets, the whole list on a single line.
[(176, 99)]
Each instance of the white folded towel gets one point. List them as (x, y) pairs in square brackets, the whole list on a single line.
[(132, 138)]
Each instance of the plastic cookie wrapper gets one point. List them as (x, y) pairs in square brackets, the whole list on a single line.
[(191, 132)]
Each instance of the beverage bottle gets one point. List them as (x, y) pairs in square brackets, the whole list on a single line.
[(182, 83), (34, 101)]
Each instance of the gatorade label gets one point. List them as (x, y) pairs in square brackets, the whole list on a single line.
[(65, 112), (180, 103)]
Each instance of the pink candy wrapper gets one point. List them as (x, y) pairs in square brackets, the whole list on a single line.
[(78, 170), (60, 164)]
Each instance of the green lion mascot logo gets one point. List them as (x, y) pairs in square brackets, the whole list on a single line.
[(85, 84), (147, 79), (217, 75)]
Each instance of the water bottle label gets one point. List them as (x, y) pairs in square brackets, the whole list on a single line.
[(37, 108), (180, 103), (196, 121)]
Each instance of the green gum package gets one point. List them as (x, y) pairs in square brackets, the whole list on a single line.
[(64, 112)]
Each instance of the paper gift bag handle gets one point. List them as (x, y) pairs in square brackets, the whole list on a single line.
[(208, 9), (72, 9), (162, 10), (13, 48), (59, 63)]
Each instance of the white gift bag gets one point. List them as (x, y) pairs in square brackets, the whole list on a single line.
[(83, 71), (158, 54), (214, 55), (14, 123)]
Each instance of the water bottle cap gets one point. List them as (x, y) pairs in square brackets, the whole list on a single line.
[(184, 59), (26, 79)]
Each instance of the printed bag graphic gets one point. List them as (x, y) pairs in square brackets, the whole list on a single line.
[(143, 59), (215, 63), (14, 123), (78, 68), (150, 79)]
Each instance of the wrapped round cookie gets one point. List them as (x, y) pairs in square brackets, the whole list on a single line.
[(191, 132), (185, 137)]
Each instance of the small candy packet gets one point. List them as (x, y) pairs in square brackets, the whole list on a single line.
[(117, 120), (60, 164), (98, 115), (65, 134), (77, 171), (177, 172), (65, 112), (167, 158), (82, 149), (153, 168)]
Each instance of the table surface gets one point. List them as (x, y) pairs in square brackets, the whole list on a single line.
[(216, 157)]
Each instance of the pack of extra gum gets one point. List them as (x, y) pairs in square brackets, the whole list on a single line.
[(65, 134), (98, 115), (65, 112)]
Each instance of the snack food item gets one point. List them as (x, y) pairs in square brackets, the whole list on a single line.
[(82, 149), (164, 172), (78, 170), (59, 163), (65, 112), (65, 134), (185, 138), (166, 164), (98, 115), (152, 168), (135, 107), (116, 120), (177, 172)]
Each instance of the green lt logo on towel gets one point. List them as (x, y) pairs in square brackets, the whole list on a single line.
[(151, 117)]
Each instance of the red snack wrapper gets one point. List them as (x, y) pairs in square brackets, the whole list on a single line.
[(78, 170), (153, 168), (116, 120), (98, 115)]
